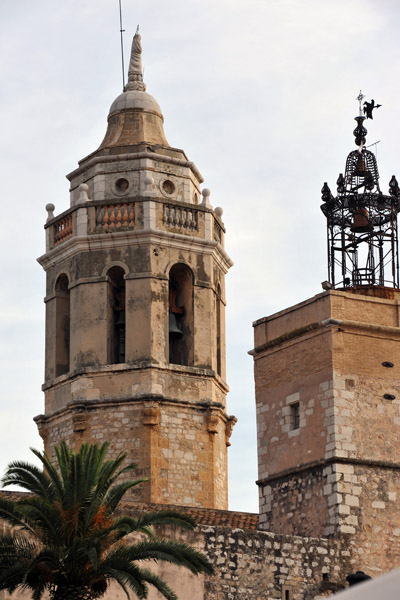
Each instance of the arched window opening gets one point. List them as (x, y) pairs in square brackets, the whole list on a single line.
[(180, 317), (116, 315), (62, 341), (218, 316)]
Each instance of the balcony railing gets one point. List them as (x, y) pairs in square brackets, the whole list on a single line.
[(103, 218), (63, 229), (115, 217), (180, 217)]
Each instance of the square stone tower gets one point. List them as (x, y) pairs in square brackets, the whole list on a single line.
[(135, 330), (327, 377)]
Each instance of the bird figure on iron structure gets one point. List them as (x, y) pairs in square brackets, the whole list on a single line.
[(369, 107)]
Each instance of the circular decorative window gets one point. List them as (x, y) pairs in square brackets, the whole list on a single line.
[(168, 187), (121, 185)]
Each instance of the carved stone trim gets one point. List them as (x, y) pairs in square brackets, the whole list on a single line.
[(229, 425), (79, 421), (212, 420), (151, 416)]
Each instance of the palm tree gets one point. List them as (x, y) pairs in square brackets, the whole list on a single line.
[(66, 538)]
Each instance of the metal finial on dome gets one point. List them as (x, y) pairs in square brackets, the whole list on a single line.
[(135, 72)]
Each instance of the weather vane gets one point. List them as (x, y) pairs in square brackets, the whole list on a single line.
[(368, 106)]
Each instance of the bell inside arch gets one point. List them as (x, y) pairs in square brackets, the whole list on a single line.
[(361, 222), (174, 328)]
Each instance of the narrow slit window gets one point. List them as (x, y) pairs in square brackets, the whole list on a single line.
[(116, 316), (218, 315), (287, 593), (62, 345), (295, 416)]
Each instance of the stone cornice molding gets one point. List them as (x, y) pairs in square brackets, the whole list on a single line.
[(83, 405), (126, 367), (359, 326), (105, 241), (92, 161), (320, 464)]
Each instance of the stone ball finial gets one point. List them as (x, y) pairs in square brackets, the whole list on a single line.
[(206, 197), (50, 211), (83, 193), (219, 211)]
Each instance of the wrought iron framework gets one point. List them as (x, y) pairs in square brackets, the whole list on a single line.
[(362, 223)]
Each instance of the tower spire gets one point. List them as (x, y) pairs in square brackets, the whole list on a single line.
[(135, 73)]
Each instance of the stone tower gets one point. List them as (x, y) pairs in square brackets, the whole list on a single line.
[(327, 375), (135, 331)]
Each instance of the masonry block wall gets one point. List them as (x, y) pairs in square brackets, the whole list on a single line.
[(327, 375), (248, 563)]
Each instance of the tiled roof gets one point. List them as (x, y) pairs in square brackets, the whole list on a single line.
[(202, 516), (12, 495)]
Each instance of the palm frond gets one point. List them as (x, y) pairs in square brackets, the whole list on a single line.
[(10, 513), (170, 551), (115, 495), (143, 522), (127, 575), (159, 584), (43, 518), (51, 472), (29, 477)]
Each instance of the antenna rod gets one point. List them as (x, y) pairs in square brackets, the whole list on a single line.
[(122, 46)]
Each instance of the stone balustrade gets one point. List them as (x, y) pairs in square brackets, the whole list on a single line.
[(99, 217), (180, 217), (217, 232), (63, 229), (114, 217)]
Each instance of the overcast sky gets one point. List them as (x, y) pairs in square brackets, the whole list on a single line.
[(261, 95)]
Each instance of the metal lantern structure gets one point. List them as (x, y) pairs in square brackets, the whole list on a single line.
[(362, 221)]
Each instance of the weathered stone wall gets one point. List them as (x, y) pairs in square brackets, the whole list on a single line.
[(358, 503), (180, 446), (251, 564), (334, 472)]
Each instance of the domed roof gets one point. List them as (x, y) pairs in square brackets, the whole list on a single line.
[(135, 117), (135, 100)]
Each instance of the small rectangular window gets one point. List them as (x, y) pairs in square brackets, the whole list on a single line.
[(286, 594), (295, 416)]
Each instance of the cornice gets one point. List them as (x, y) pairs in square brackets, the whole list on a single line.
[(154, 156), (105, 241)]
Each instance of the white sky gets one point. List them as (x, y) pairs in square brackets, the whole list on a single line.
[(261, 96)]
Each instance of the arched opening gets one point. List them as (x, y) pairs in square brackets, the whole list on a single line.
[(62, 341), (116, 316), (218, 328), (180, 318)]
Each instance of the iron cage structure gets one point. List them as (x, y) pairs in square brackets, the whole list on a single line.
[(362, 223)]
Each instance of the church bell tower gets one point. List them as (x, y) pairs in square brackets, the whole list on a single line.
[(327, 374), (135, 298)]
